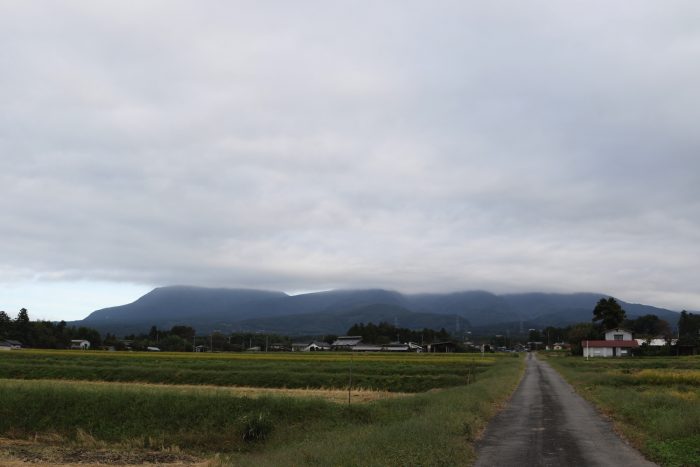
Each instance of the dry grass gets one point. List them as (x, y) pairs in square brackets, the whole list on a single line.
[(669, 376), (357, 395)]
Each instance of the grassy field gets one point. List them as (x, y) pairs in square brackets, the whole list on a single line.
[(653, 401), (404, 373), (43, 396)]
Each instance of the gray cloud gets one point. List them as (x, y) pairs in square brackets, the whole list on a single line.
[(310, 145)]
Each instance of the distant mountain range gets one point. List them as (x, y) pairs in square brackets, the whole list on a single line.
[(333, 312)]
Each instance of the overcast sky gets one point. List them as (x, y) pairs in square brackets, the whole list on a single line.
[(419, 146)]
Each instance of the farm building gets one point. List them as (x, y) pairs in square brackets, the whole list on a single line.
[(442, 347), (617, 343), (396, 347), (79, 344), (10, 345), (656, 342), (366, 348), (402, 347), (317, 346), (279, 347), (561, 346), (346, 342)]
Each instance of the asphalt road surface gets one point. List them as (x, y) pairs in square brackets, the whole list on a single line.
[(547, 424)]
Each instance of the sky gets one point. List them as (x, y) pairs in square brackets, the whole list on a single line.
[(418, 146)]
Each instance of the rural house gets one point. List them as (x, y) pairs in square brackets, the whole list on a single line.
[(617, 343)]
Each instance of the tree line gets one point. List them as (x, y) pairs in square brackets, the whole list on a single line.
[(44, 334), (385, 333)]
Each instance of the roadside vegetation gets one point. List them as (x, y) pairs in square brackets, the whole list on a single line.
[(434, 426), (653, 401)]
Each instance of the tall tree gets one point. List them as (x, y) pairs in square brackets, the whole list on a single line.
[(23, 326), (577, 333), (609, 313), (5, 324), (689, 329)]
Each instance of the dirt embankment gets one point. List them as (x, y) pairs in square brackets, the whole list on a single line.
[(43, 453)]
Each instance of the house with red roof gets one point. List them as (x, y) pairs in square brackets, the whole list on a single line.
[(617, 343)]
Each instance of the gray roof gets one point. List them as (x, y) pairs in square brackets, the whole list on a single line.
[(347, 341), (366, 348), (320, 344), (10, 343)]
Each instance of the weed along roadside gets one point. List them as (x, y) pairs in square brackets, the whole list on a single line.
[(431, 422), (654, 402)]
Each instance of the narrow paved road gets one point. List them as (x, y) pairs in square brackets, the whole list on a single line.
[(547, 424)]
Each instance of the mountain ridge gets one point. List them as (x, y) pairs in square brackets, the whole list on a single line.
[(229, 310)]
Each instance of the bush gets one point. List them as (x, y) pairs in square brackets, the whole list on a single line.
[(256, 427)]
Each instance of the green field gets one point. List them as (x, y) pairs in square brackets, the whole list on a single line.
[(405, 373), (654, 401), (59, 394)]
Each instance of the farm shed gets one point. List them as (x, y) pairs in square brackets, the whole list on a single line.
[(366, 348), (442, 347), (279, 347), (316, 346), (396, 347), (79, 344), (617, 343), (403, 347), (656, 342), (346, 342), (10, 345)]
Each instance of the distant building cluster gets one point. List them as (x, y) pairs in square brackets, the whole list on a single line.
[(355, 344)]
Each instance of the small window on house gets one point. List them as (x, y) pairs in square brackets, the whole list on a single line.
[(618, 337)]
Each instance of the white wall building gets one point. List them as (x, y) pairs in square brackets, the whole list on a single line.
[(617, 343)]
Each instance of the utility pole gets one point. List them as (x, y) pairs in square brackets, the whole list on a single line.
[(350, 379)]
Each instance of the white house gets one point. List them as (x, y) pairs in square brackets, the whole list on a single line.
[(617, 343), (79, 344)]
